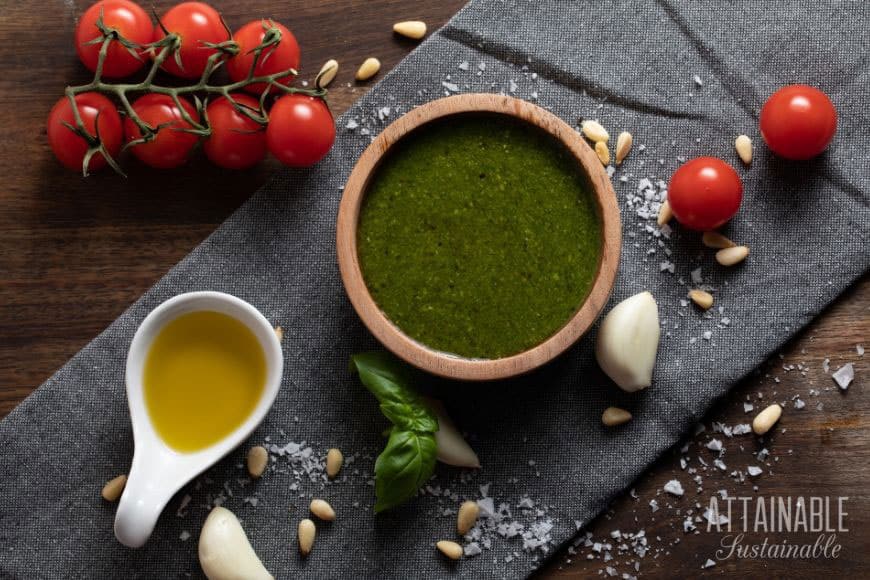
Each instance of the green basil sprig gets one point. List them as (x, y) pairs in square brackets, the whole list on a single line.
[(408, 460)]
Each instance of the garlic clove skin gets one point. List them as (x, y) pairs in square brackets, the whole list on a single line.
[(224, 550), (628, 341), (452, 447)]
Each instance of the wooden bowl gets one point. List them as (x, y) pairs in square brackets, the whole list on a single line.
[(450, 365)]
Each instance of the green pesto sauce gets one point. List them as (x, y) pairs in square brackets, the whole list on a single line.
[(479, 236)]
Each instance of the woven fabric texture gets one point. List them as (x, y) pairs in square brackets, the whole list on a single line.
[(631, 64)]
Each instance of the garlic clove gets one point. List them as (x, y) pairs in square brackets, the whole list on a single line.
[(628, 341), (452, 447), (224, 550)]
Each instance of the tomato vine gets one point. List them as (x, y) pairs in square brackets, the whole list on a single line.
[(159, 51)]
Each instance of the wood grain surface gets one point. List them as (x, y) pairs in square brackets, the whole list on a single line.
[(436, 362), (75, 253)]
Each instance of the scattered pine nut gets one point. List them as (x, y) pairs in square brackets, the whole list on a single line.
[(465, 520), (450, 549), (701, 298), (279, 332), (114, 488), (594, 131), (665, 213), (623, 146), (614, 416), (766, 419), (327, 74), (603, 152), (415, 29), (306, 532), (258, 459), (334, 461), (716, 240), (743, 144), (368, 69), (322, 510), (731, 256)]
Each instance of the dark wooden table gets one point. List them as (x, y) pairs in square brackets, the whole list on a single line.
[(74, 253)]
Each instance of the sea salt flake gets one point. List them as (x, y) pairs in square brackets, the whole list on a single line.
[(473, 549), (184, 536), (696, 276), (754, 470), (463, 65), (844, 376), (714, 445), (674, 487), (708, 564), (351, 124), (452, 87)]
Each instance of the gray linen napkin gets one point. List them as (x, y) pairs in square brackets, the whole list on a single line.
[(549, 465)]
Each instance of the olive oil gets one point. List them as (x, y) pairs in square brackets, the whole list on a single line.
[(203, 376)]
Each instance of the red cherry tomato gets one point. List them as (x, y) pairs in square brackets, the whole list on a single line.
[(798, 122), (301, 130), (704, 193), (236, 141), (69, 147), (196, 23), (171, 147), (273, 59), (130, 20)]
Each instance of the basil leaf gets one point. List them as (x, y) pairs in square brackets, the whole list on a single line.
[(388, 381), (405, 464)]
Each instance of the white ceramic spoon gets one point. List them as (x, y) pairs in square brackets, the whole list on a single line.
[(159, 471)]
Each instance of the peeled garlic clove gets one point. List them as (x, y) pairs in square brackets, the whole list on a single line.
[(452, 447), (628, 341), (224, 550)]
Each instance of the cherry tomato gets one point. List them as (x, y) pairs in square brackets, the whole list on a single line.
[(273, 59), (236, 141), (171, 147), (301, 130), (196, 23), (69, 147), (704, 193), (130, 20), (798, 122)]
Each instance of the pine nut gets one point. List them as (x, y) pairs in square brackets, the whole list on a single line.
[(114, 488), (450, 549), (701, 298), (665, 213), (743, 144), (614, 416), (411, 29), (334, 461), (623, 146), (603, 152), (258, 459), (766, 419), (731, 256), (322, 510), (465, 520), (327, 74), (594, 131), (368, 69), (716, 240), (306, 532)]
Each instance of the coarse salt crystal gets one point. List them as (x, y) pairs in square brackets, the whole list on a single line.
[(844, 376), (754, 470), (674, 487)]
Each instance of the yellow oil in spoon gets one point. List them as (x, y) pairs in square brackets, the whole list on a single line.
[(203, 376)]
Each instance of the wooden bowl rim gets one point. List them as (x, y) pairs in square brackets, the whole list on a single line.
[(445, 364)]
